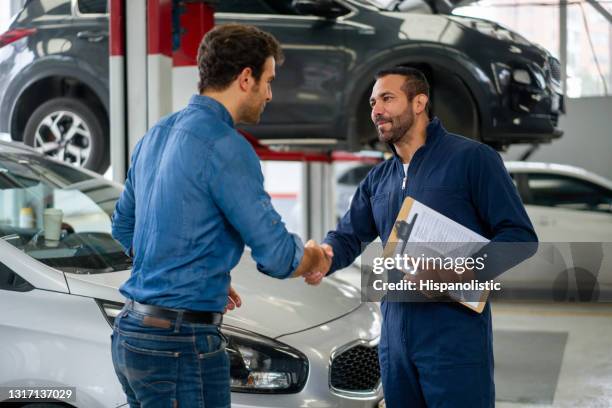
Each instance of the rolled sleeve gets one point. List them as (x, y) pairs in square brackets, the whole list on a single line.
[(299, 254), (236, 185)]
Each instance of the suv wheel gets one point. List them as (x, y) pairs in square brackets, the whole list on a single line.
[(68, 130)]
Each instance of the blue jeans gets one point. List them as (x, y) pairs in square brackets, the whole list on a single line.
[(182, 366)]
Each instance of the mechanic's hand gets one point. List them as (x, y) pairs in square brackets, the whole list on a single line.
[(315, 263), (439, 275), (317, 274), (425, 275), (233, 300)]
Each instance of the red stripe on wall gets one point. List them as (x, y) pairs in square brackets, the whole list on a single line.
[(117, 28), (159, 27), (284, 195)]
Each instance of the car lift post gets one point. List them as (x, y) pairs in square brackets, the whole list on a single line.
[(146, 38)]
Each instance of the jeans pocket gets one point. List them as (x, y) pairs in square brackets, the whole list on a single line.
[(151, 369), (216, 344), (150, 352)]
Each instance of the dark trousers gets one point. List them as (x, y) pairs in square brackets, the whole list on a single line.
[(183, 366), (436, 355)]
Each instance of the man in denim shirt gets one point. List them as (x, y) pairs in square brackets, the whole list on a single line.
[(194, 196)]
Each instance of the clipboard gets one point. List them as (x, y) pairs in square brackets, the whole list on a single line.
[(414, 217)]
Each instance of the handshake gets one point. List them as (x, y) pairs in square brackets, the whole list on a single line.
[(316, 262)]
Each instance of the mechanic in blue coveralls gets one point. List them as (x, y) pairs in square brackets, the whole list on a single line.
[(432, 354)]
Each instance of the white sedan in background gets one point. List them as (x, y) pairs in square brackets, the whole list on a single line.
[(564, 203), (290, 344), (571, 210)]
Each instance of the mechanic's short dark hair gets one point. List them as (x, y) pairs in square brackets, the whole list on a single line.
[(228, 49), (415, 83)]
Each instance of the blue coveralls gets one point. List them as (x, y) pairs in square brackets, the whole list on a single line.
[(435, 354)]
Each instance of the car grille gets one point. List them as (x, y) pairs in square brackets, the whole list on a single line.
[(555, 69), (356, 370)]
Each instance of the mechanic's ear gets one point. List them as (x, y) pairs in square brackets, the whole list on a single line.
[(245, 79), (419, 103)]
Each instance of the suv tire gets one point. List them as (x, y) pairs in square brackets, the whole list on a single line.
[(67, 129)]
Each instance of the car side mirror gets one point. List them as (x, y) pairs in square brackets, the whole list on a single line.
[(320, 8)]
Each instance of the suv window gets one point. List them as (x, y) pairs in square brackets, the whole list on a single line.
[(92, 6), (38, 8), (553, 190), (255, 7), (9, 280)]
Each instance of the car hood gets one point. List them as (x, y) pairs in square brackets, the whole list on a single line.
[(446, 6), (270, 307)]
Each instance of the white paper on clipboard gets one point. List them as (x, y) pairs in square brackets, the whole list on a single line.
[(427, 231)]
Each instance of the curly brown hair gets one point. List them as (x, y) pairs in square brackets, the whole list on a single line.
[(228, 49)]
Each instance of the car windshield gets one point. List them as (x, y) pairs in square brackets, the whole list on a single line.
[(403, 5), (381, 4), (29, 185)]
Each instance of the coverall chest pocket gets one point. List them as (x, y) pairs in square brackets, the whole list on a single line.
[(380, 211)]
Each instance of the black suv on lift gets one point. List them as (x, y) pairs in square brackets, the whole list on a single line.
[(488, 82)]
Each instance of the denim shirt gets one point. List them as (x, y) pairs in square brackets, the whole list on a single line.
[(194, 196), (463, 179)]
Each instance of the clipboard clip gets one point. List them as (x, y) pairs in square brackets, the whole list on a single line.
[(403, 230)]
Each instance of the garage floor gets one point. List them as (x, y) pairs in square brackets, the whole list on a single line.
[(548, 355), (553, 355)]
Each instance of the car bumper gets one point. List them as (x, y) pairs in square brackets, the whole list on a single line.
[(321, 344), (526, 112)]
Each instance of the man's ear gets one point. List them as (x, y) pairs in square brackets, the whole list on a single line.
[(245, 79), (420, 103)]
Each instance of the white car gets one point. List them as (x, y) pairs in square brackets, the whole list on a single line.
[(571, 211), (59, 300), (564, 203)]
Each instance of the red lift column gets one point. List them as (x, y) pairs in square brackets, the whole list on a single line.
[(141, 60)]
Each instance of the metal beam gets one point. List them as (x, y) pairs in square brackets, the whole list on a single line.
[(563, 44), (601, 9), (15, 6)]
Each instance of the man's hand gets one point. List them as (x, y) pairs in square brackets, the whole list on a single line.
[(439, 275), (316, 262), (316, 276), (233, 300)]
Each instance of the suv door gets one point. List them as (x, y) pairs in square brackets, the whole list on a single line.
[(90, 32), (307, 91)]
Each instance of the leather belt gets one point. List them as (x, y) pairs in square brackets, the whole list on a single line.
[(188, 316)]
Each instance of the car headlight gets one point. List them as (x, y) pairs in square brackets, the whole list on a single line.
[(502, 75), (521, 76), (262, 365), (257, 364), (109, 309)]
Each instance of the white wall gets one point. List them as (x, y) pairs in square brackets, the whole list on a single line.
[(7, 9), (587, 141)]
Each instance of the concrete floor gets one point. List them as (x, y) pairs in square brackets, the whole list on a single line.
[(548, 354), (574, 370)]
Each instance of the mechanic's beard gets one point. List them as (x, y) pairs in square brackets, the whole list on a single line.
[(399, 127)]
